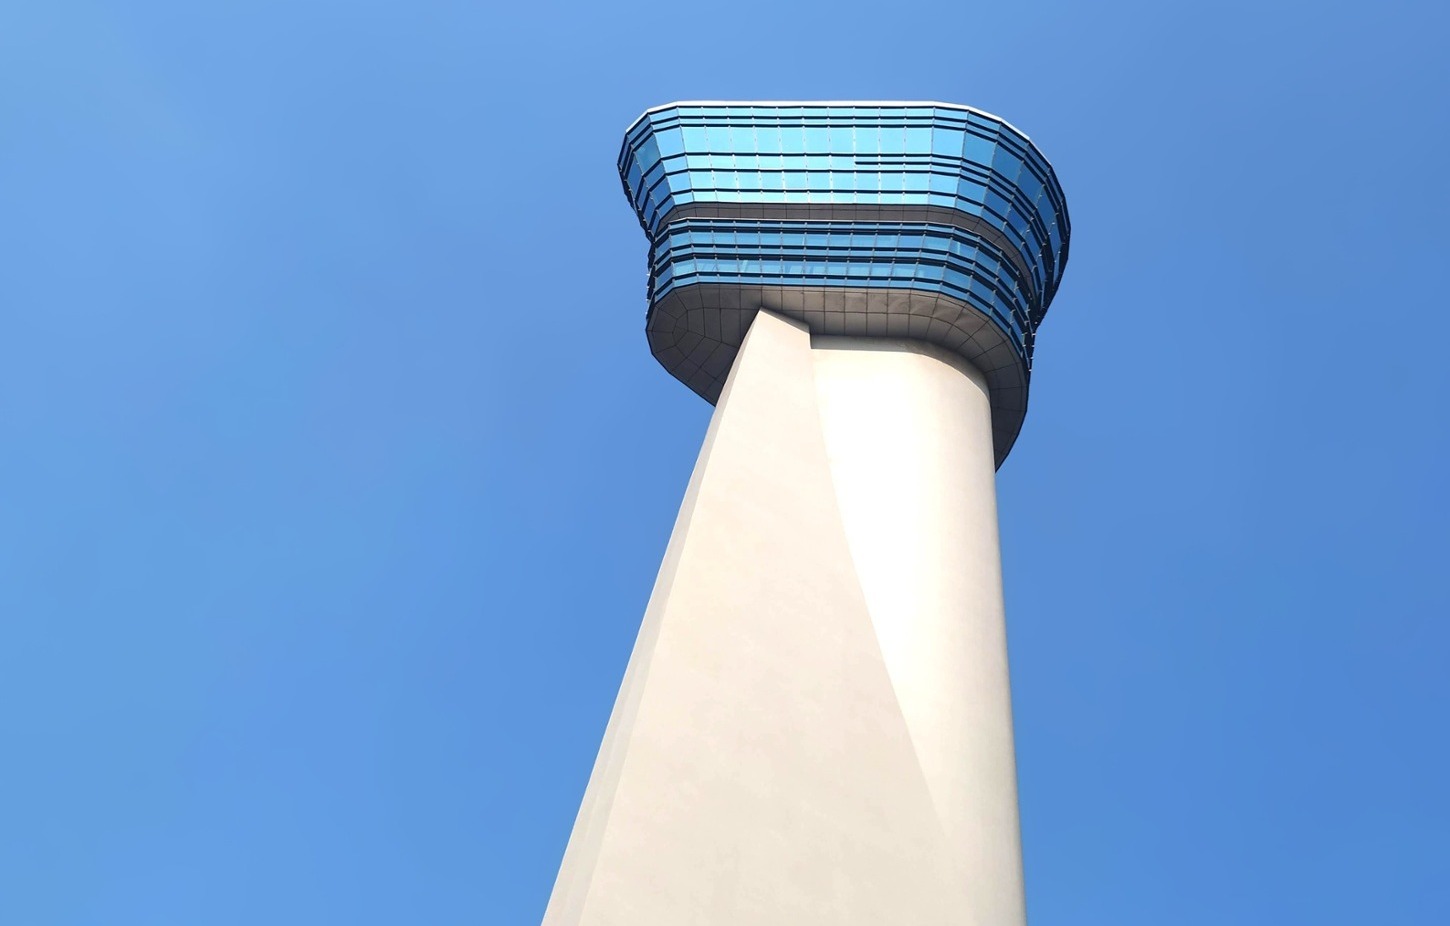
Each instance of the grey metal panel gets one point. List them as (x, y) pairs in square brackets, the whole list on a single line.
[(702, 360)]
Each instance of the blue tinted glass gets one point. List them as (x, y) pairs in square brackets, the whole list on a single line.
[(1031, 186), (649, 152), (860, 253), (996, 203), (946, 142), (693, 138), (969, 206), (978, 149), (669, 142), (1005, 164)]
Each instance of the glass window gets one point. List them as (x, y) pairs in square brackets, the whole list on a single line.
[(1031, 186), (946, 142), (1015, 219), (669, 142), (694, 139), (1006, 165), (997, 204), (648, 152), (977, 149)]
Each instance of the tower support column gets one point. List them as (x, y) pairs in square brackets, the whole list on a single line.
[(815, 724)]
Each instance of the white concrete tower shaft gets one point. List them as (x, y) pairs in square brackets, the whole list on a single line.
[(815, 726)]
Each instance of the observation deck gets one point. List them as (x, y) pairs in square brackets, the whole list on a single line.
[(925, 221)]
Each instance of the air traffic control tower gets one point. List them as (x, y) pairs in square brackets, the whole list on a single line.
[(815, 726)]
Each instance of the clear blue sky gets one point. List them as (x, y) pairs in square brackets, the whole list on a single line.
[(335, 470)]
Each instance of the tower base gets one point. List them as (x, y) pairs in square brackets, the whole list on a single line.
[(815, 725)]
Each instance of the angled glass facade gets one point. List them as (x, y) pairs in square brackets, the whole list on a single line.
[(927, 221), (882, 254)]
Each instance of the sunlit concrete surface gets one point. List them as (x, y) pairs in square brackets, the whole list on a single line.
[(815, 724)]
